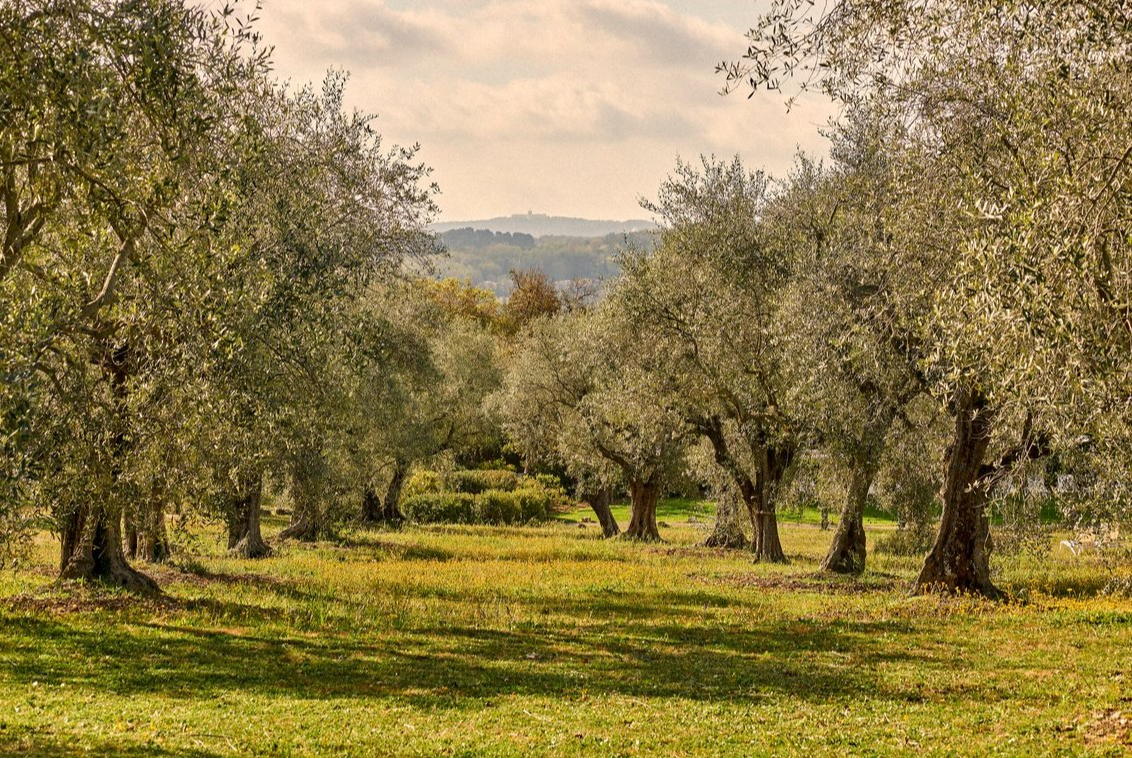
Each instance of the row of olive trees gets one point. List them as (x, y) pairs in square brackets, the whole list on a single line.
[(968, 243), (201, 286), (1010, 180)]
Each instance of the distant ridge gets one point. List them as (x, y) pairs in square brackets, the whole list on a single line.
[(542, 225)]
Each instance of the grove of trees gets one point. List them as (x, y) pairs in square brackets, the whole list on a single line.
[(213, 292)]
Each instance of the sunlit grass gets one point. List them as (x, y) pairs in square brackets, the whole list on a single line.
[(548, 640)]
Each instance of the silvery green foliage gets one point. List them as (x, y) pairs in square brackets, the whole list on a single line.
[(1014, 166), (580, 391)]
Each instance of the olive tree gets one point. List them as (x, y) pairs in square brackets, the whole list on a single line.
[(709, 297), (583, 390)]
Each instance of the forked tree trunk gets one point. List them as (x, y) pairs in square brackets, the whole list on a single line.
[(960, 558), (600, 501), (728, 530), (642, 524), (91, 546), (244, 536), (376, 511), (759, 496), (308, 519), (92, 550), (848, 550)]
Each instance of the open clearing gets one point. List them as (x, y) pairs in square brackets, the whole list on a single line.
[(548, 640)]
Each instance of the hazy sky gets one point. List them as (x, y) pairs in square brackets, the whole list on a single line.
[(567, 107)]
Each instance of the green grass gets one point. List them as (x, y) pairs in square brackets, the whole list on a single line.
[(548, 640)]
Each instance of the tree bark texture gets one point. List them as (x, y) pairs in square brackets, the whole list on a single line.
[(960, 557), (644, 495), (245, 538)]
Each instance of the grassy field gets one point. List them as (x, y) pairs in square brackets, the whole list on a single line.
[(548, 640)]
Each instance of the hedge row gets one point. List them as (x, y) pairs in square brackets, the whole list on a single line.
[(488, 507)]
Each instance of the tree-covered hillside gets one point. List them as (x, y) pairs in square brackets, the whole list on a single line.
[(485, 258)]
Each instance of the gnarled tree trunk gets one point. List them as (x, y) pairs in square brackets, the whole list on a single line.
[(848, 550), (960, 558), (728, 530), (600, 501), (761, 498), (388, 511), (244, 536), (308, 519), (92, 550), (644, 495), (91, 538)]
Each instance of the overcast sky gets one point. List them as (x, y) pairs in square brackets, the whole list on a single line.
[(565, 107)]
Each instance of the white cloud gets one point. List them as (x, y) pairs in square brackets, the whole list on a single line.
[(563, 106)]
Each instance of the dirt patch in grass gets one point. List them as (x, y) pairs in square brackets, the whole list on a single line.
[(70, 597), (816, 582), (1109, 726)]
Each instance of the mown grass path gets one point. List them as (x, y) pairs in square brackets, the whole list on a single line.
[(547, 640)]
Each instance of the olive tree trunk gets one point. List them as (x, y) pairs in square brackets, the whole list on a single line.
[(960, 558), (308, 518), (847, 551), (146, 537), (91, 540), (92, 550), (244, 536), (600, 501), (377, 511), (761, 498), (644, 495), (728, 530), (758, 496)]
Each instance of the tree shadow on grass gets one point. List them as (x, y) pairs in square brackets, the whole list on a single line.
[(23, 740), (458, 667)]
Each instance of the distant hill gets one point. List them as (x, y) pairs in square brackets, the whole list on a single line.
[(486, 258), (542, 225)]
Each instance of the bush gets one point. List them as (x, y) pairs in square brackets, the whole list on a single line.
[(430, 508), (909, 541), (421, 481), (498, 507), (477, 481), (519, 500), (535, 503)]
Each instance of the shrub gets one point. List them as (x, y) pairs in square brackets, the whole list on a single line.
[(430, 508), (477, 481), (497, 507), (907, 541), (535, 503), (524, 500), (421, 481)]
